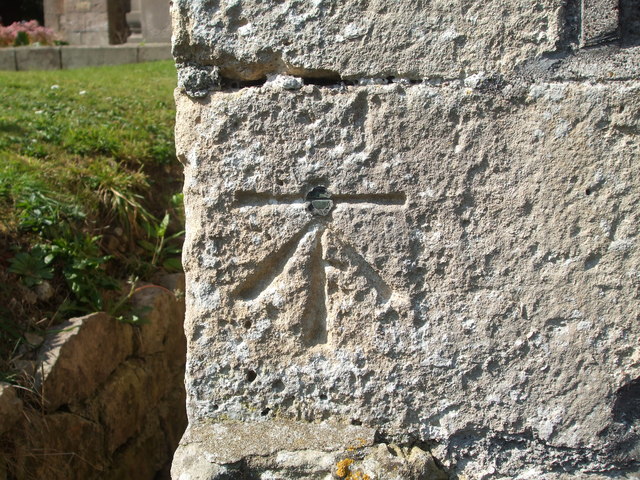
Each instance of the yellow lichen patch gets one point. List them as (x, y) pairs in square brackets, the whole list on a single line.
[(359, 475), (361, 443), (343, 470)]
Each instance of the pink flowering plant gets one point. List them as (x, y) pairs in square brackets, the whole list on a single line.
[(26, 33)]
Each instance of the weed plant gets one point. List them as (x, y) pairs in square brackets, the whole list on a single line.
[(88, 182)]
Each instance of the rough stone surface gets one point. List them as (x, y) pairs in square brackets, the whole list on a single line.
[(451, 263), (600, 20), (283, 450), (40, 58), (410, 39), (77, 350), (77, 57), (513, 265), (156, 23), (230, 442), (10, 407), (154, 52), (159, 307), (8, 59)]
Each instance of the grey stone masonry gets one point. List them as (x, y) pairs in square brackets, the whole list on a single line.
[(412, 239), (40, 58), (156, 23), (76, 57), (8, 59), (68, 57)]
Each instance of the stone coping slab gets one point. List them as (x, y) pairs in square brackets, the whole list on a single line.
[(230, 442), (8, 59), (41, 58), (77, 57), (72, 56)]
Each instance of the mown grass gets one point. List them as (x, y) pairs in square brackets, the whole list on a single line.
[(88, 190)]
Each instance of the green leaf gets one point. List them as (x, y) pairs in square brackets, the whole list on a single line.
[(21, 39), (148, 246), (31, 267), (175, 235), (162, 228), (173, 264)]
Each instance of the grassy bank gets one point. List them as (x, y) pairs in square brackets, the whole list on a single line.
[(88, 192)]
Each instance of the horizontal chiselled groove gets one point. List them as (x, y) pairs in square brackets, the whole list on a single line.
[(227, 84), (260, 199), (398, 198)]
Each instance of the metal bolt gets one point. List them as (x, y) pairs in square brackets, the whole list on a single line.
[(320, 202)]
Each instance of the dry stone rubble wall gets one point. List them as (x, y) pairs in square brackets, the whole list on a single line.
[(107, 398)]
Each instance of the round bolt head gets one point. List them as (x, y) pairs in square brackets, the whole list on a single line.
[(320, 202)]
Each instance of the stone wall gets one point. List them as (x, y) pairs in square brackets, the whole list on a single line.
[(83, 22), (68, 57), (108, 22), (411, 239), (106, 399), (156, 22)]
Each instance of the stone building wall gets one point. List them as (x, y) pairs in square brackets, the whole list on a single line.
[(86, 22), (106, 22), (411, 239), (106, 399)]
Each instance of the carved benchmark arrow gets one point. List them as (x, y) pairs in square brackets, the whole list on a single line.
[(319, 203)]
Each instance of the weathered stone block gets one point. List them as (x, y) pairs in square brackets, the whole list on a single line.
[(152, 53), (600, 20), (79, 355), (405, 38), (8, 59), (77, 57), (10, 407), (42, 58), (162, 314), (474, 271), (214, 451), (64, 445), (156, 22), (124, 404)]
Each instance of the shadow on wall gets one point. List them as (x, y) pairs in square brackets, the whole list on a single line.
[(630, 22), (621, 28), (118, 27)]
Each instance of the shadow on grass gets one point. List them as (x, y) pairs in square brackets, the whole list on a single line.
[(11, 127)]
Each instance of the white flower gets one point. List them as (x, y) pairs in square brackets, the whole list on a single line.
[(82, 92)]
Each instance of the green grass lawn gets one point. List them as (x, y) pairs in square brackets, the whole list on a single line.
[(89, 191)]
